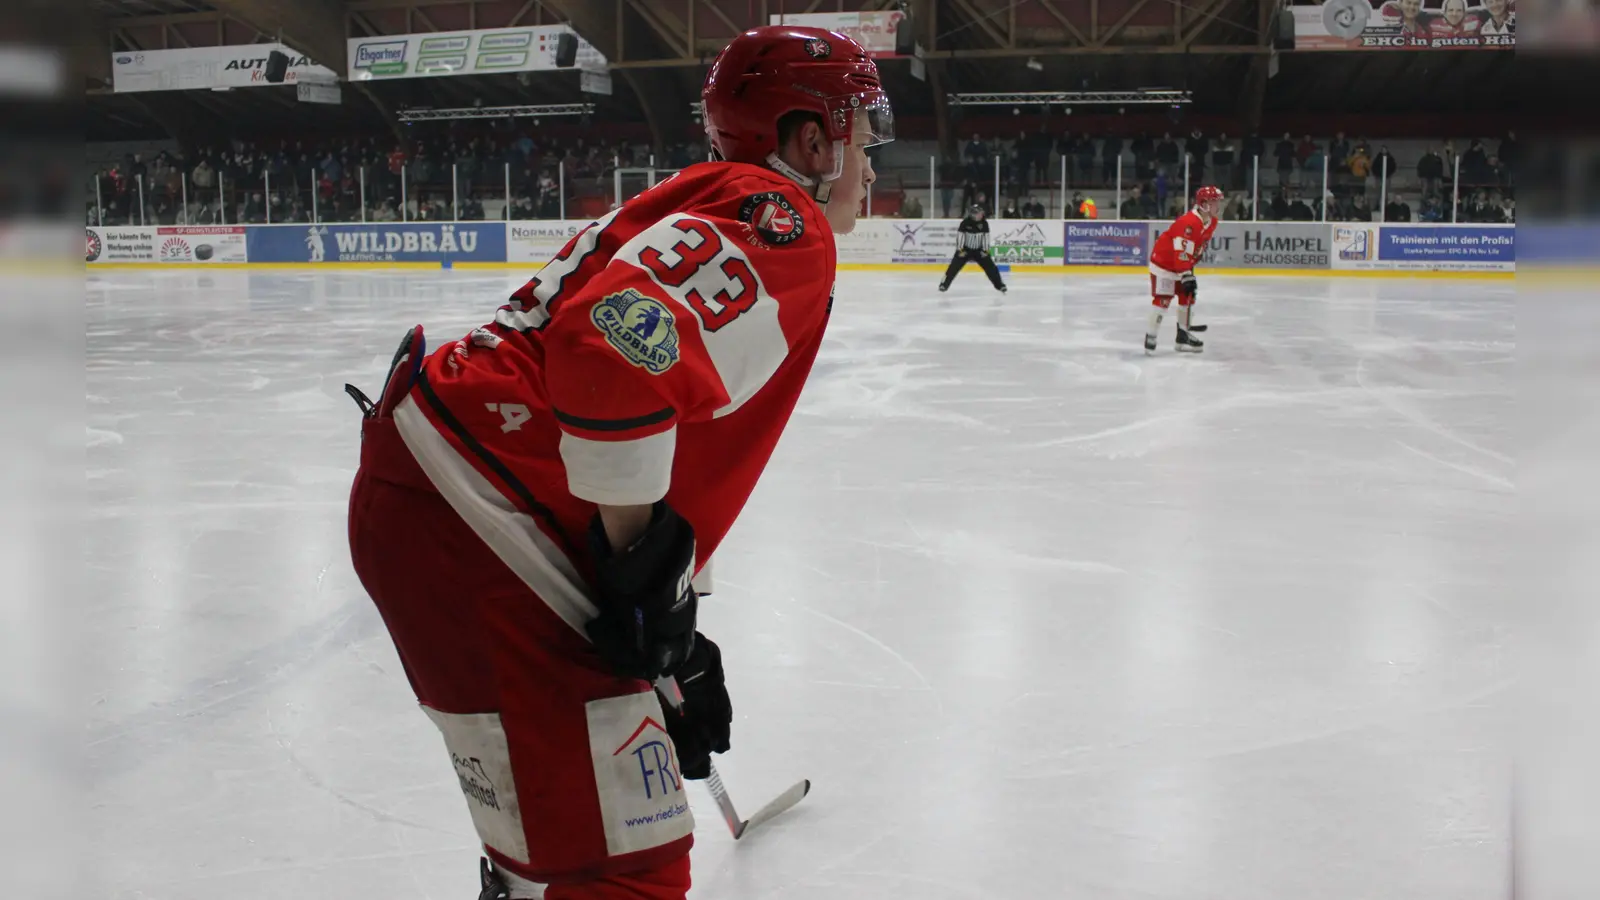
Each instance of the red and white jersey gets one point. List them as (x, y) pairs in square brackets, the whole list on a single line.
[(659, 355), (1179, 247)]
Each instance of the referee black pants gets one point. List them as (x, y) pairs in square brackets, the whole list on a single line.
[(962, 257)]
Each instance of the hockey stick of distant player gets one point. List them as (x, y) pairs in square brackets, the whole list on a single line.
[(669, 689)]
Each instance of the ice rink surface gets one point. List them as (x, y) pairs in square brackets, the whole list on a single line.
[(1040, 617)]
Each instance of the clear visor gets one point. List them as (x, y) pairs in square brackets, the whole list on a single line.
[(871, 108)]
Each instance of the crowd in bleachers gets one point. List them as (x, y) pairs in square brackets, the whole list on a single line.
[(510, 170), (1360, 176), (446, 176)]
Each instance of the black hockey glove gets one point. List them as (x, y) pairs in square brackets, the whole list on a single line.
[(1187, 284), (647, 605), (700, 726)]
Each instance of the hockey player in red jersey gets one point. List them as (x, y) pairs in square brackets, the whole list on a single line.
[(1172, 262), (535, 497)]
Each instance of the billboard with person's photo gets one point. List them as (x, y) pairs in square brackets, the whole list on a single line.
[(1406, 25)]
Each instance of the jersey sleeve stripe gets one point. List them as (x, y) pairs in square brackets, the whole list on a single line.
[(655, 418), (619, 473)]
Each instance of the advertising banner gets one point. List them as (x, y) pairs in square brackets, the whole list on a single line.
[(1275, 245), (1406, 25), (203, 68), (438, 242), (868, 243), (1025, 242), (1106, 244), (201, 244), (916, 240), (1483, 248), (872, 30), (441, 53), (538, 241), (111, 244)]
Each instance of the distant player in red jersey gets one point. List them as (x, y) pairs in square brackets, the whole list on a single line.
[(1172, 262), (535, 498)]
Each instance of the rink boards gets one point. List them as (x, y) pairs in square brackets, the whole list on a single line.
[(1023, 245)]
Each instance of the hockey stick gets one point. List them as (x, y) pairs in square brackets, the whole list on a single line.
[(669, 689)]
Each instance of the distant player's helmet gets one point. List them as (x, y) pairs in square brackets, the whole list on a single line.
[(1209, 199), (770, 71)]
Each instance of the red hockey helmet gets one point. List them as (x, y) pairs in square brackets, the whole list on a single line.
[(777, 69), (1210, 199)]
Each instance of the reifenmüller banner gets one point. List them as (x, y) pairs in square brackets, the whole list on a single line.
[(485, 51), (1406, 25)]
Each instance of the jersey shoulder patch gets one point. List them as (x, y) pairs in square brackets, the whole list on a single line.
[(771, 217), (640, 328)]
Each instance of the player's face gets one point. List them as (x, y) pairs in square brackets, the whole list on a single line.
[(850, 190)]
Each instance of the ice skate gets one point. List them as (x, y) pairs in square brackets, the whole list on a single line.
[(1149, 344), (1187, 344)]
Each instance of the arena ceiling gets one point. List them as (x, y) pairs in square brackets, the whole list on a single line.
[(659, 50)]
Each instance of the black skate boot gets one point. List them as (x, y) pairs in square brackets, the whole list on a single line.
[(944, 286), (1187, 344), (493, 887), (1149, 343), (1002, 289)]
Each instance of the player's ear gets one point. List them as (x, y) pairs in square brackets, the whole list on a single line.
[(815, 147)]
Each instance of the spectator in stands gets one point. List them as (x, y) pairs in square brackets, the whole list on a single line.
[(1278, 209), (1360, 166), (911, 208), (1167, 155), (1110, 152), (1430, 171), (1508, 209), (1085, 156), (1507, 151), (1432, 209), (1159, 189), (1039, 146), (1286, 154), (1397, 210), (1010, 211), (1133, 205), (1223, 160), (1299, 210), (1383, 167), (1338, 156), (1312, 164), (977, 156), (1359, 210), (1475, 164), (1033, 209), (1239, 209), (1495, 173), (1144, 154), (1303, 151)]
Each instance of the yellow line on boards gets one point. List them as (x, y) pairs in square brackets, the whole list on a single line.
[(843, 267)]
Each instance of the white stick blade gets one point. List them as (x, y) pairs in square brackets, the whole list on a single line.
[(779, 804)]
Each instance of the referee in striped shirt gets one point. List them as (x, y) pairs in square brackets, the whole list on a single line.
[(972, 243)]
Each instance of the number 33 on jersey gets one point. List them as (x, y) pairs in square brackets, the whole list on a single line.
[(702, 299)]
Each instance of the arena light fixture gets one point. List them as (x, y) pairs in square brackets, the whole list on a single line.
[(495, 112), (1149, 96)]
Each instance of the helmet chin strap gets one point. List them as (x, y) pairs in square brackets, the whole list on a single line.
[(820, 188)]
